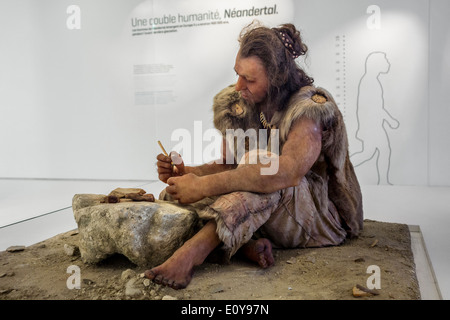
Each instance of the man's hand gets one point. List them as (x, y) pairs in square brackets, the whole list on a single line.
[(171, 166), (185, 189)]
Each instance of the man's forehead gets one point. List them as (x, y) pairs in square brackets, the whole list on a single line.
[(250, 66)]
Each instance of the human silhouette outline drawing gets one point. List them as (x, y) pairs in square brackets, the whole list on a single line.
[(373, 117)]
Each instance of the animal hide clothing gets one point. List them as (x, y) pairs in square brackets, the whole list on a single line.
[(324, 209)]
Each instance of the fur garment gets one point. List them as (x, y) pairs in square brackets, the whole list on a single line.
[(332, 177)]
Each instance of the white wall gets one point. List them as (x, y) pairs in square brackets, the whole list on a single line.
[(64, 114), (439, 105), (67, 97), (386, 108)]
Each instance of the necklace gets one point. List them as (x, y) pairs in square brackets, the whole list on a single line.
[(264, 122)]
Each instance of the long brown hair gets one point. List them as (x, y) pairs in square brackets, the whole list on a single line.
[(285, 76)]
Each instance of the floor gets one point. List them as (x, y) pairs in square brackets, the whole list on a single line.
[(34, 210)]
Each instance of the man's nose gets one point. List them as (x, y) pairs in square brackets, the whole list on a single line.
[(240, 84)]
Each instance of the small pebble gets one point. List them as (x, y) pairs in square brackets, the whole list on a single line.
[(6, 291), (290, 261), (218, 288), (374, 243), (311, 259), (15, 248), (127, 274), (71, 250), (131, 290), (88, 281)]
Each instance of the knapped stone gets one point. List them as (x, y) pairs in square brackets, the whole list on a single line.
[(147, 233), (71, 250)]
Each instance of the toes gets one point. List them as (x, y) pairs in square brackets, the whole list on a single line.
[(175, 286), (262, 261), (149, 274), (178, 286), (158, 279), (156, 275), (271, 261)]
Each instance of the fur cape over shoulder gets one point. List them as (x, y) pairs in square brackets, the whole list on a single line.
[(332, 177)]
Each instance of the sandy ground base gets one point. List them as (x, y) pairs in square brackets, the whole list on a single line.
[(40, 272)]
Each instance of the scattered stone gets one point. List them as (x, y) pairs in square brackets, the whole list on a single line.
[(216, 289), (167, 297), (15, 248), (88, 281), (7, 274), (123, 192), (127, 275), (360, 291), (71, 250), (6, 291), (311, 259), (131, 290), (147, 233), (357, 293), (290, 261), (146, 282), (128, 195), (374, 243)]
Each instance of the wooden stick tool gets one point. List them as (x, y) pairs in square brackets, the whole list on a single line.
[(165, 152)]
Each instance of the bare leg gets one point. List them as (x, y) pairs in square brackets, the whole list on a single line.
[(259, 251), (177, 271)]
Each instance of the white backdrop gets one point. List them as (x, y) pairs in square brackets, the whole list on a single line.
[(374, 60), (86, 91)]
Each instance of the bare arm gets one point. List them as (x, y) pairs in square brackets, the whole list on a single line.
[(299, 153), (213, 167), (166, 170)]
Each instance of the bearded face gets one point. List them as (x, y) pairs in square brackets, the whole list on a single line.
[(252, 79)]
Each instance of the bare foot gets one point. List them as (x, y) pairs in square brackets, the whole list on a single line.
[(259, 251), (177, 271)]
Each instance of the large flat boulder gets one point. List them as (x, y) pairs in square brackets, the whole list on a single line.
[(147, 233)]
